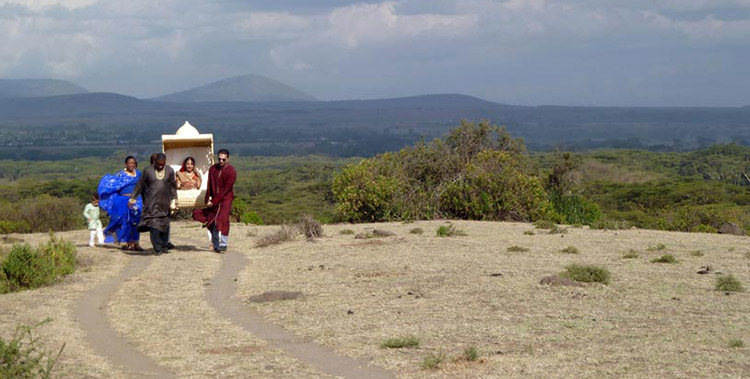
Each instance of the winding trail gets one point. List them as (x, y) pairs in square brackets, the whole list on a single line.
[(90, 313), (220, 296)]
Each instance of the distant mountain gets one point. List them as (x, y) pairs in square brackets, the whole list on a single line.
[(247, 88), (19, 88)]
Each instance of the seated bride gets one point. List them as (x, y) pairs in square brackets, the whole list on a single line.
[(188, 177)]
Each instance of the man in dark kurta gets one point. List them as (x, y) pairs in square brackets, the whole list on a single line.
[(159, 190), (219, 197)]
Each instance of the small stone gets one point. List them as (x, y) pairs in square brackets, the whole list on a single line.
[(350, 312), (704, 270), (496, 274), (361, 236)]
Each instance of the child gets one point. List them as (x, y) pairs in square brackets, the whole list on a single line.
[(91, 212)]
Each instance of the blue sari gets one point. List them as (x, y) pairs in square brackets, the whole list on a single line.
[(114, 193)]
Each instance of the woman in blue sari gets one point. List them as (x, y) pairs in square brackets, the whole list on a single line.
[(114, 192)]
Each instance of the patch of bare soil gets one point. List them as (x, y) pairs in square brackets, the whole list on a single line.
[(652, 320)]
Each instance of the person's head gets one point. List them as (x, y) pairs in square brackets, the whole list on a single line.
[(130, 163), (188, 164), (153, 158), (95, 199), (223, 157), (160, 161)]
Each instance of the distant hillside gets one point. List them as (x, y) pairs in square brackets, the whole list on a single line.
[(19, 88), (247, 88)]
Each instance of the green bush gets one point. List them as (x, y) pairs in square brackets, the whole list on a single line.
[(16, 226), (703, 228), (576, 209), (398, 343), (20, 357), (43, 213), (28, 268), (476, 172), (471, 354), (250, 217), (432, 361), (586, 273), (728, 283), (449, 231), (666, 258)]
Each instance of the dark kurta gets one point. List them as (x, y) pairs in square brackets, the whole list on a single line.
[(220, 191), (157, 195)]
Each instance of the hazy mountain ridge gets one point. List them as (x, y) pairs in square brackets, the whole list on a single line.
[(25, 88), (245, 88)]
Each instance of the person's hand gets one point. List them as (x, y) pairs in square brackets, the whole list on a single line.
[(172, 205), (209, 204)]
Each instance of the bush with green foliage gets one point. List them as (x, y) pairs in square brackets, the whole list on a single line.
[(26, 267), (398, 343), (586, 273), (41, 214), (449, 231), (728, 283), (666, 258), (21, 357), (477, 172), (250, 217)]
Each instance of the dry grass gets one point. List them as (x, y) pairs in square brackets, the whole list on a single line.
[(285, 233), (632, 327), (650, 321)]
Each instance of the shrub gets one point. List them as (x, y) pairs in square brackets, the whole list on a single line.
[(250, 217), (283, 234), (28, 268), (476, 172), (41, 214), (703, 228), (696, 253), (736, 342), (658, 247), (728, 283), (239, 208), (630, 254), (544, 224), (416, 231), (20, 357), (433, 361), (611, 224), (398, 343), (449, 231), (576, 209), (570, 250), (666, 258), (528, 232), (346, 231), (586, 273), (309, 226), (555, 229), (471, 354), (517, 249)]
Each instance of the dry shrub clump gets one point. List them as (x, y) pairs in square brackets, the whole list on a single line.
[(398, 343), (283, 234), (309, 226), (631, 254), (666, 258), (41, 214), (26, 267), (517, 249), (570, 250), (449, 231), (586, 273), (728, 283)]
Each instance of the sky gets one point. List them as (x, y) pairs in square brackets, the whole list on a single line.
[(521, 52)]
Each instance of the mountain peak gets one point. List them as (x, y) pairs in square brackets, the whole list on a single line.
[(20, 88), (246, 88)]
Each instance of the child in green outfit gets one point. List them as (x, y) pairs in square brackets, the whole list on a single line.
[(91, 213)]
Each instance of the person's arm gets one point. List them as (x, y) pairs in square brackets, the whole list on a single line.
[(198, 180), (209, 190), (178, 181), (138, 187), (86, 211), (229, 177), (172, 184)]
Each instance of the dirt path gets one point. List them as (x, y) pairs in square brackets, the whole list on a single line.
[(221, 296), (90, 313)]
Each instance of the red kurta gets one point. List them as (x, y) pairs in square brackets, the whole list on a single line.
[(220, 191)]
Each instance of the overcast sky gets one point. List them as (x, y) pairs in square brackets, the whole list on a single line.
[(527, 52)]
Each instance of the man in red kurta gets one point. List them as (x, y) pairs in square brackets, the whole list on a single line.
[(219, 196)]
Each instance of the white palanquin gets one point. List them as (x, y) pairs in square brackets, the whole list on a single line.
[(188, 142)]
